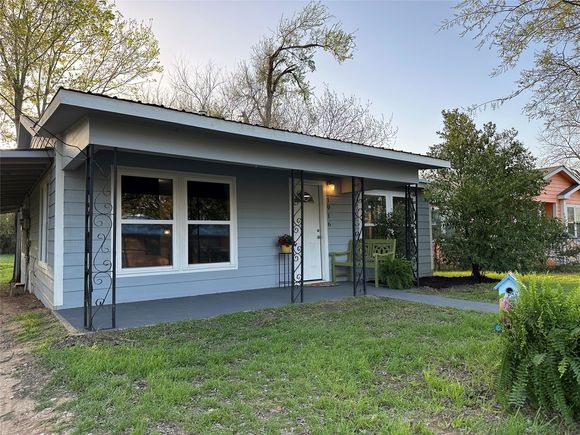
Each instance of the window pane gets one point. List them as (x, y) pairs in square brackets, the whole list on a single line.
[(375, 207), (146, 198), (208, 244), (208, 201), (146, 245)]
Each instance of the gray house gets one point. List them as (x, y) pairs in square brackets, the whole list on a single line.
[(121, 201)]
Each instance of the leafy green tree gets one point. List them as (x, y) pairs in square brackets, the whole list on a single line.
[(487, 198), (7, 233), (82, 44)]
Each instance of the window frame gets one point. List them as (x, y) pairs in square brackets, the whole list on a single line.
[(232, 222), (43, 208), (576, 212), (180, 222)]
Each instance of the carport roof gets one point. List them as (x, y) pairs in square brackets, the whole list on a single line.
[(20, 169)]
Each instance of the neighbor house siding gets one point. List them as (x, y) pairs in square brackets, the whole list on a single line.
[(558, 183), (40, 274)]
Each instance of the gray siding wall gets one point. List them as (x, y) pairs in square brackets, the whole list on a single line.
[(262, 215), (40, 275), (425, 246)]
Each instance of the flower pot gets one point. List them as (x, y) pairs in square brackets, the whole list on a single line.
[(285, 249)]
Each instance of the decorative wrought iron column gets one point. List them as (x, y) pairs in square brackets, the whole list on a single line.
[(297, 213), (359, 275), (100, 237), (412, 228)]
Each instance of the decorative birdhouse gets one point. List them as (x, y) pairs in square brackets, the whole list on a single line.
[(508, 289)]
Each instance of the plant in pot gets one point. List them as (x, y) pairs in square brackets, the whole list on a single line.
[(285, 242)]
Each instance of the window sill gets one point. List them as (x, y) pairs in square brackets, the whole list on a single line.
[(127, 273)]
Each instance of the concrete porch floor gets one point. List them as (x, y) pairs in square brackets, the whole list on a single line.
[(137, 314)]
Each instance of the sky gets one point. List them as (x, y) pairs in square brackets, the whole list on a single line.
[(403, 64)]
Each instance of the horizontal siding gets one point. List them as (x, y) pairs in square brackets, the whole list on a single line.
[(262, 212), (40, 281), (425, 247)]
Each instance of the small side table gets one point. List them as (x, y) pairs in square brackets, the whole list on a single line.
[(284, 269)]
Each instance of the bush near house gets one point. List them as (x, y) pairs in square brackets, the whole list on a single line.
[(396, 273), (541, 349)]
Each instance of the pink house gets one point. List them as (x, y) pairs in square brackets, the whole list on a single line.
[(561, 198)]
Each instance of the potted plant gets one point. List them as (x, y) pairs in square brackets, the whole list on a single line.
[(285, 242)]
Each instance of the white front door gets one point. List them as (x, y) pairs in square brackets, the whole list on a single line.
[(312, 233)]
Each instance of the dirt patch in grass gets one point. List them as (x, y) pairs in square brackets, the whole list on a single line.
[(23, 320), (441, 282)]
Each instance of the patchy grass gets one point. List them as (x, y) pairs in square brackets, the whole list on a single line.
[(358, 365), (486, 293), (6, 266)]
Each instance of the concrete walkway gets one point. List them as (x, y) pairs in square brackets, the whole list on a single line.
[(440, 301), (137, 314)]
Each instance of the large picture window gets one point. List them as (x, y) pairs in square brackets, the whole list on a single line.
[(146, 221), (176, 222)]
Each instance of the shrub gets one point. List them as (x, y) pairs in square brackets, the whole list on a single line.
[(396, 273), (541, 350)]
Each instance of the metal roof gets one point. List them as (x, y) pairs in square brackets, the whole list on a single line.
[(20, 170)]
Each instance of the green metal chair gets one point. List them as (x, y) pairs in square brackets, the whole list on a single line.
[(377, 252)]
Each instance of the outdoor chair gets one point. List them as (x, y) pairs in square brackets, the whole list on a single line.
[(377, 252)]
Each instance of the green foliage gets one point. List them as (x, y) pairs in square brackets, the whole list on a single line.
[(396, 273), (392, 226), (487, 199), (82, 44), (541, 350), (7, 233)]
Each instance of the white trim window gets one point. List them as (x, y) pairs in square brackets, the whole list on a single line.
[(573, 220), (43, 224), (209, 222), (175, 222), (147, 221)]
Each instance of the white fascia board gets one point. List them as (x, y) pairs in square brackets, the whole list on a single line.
[(136, 109)]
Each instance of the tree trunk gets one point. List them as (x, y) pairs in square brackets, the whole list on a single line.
[(476, 272)]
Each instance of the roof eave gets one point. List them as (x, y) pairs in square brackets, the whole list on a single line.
[(65, 97)]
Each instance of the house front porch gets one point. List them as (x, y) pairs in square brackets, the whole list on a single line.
[(204, 306)]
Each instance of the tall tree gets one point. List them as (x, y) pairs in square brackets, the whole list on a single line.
[(281, 61), (548, 29), (83, 44), (487, 199)]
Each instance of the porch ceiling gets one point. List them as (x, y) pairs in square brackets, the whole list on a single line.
[(19, 171)]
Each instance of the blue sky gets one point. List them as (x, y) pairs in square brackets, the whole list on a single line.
[(403, 64)]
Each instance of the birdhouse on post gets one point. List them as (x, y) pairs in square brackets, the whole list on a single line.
[(508, 289)]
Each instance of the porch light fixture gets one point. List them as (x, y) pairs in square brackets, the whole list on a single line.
[(330, 187)]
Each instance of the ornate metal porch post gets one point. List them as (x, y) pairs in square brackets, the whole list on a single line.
[(297, 224), (100, 235), (359, 276), (412, 227)]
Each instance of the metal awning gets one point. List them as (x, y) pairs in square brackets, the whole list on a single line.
[(20, 169)]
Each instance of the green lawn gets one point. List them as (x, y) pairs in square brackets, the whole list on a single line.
[(486, 293), (6, 265), (359, 365)]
